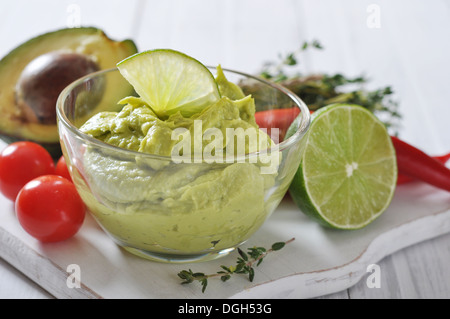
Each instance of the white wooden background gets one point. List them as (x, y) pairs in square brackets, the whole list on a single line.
[(406, 46)]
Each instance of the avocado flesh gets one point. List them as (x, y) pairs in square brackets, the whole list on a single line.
[(87, 41)]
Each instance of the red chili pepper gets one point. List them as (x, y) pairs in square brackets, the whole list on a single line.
[(415, 164), (404, 179)]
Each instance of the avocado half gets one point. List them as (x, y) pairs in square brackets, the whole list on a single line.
[(15, 125)]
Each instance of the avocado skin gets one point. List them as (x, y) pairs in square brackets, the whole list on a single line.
[(9, 109), (53, 148)]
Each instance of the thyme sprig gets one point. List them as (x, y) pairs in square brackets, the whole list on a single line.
[(244, 265), (277, 71), (319, 90)]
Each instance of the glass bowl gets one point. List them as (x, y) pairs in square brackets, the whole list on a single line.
[(168, 210)]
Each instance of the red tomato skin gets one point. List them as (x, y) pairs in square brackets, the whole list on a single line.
[(277, 118), (20, 162), (50, 209), (61, 168)]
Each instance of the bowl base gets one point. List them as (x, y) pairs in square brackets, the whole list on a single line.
[(177, 258)]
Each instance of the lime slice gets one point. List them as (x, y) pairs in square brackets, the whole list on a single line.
[(170, 81), (348, 172)]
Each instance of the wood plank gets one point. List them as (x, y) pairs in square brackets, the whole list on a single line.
[(39, 268), (409, 52), (415, 272), (429, 274), (239, 34), (15, 285)]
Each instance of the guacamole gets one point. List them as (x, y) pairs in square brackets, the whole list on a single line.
[(184, 206)]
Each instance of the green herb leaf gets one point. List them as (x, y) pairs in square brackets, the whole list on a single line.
[(204, 283), (243, 255), (251, 274), (278, 246), (244, 265)]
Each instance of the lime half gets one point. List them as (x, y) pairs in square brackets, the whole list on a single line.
[(170, 81), (348, 173)]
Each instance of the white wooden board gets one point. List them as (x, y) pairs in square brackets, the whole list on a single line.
[(319, 262)]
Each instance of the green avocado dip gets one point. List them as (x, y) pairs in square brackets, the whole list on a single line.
[(156, 204)]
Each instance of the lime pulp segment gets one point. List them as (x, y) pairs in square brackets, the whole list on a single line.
[(170, 81), (348, 172)]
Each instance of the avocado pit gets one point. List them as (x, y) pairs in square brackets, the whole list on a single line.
[(43, 79)]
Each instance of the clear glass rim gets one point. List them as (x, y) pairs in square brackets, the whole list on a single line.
[(304, 124)]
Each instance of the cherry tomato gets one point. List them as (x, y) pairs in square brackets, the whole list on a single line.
[(50, 209), (20, 162), (61, 168)]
